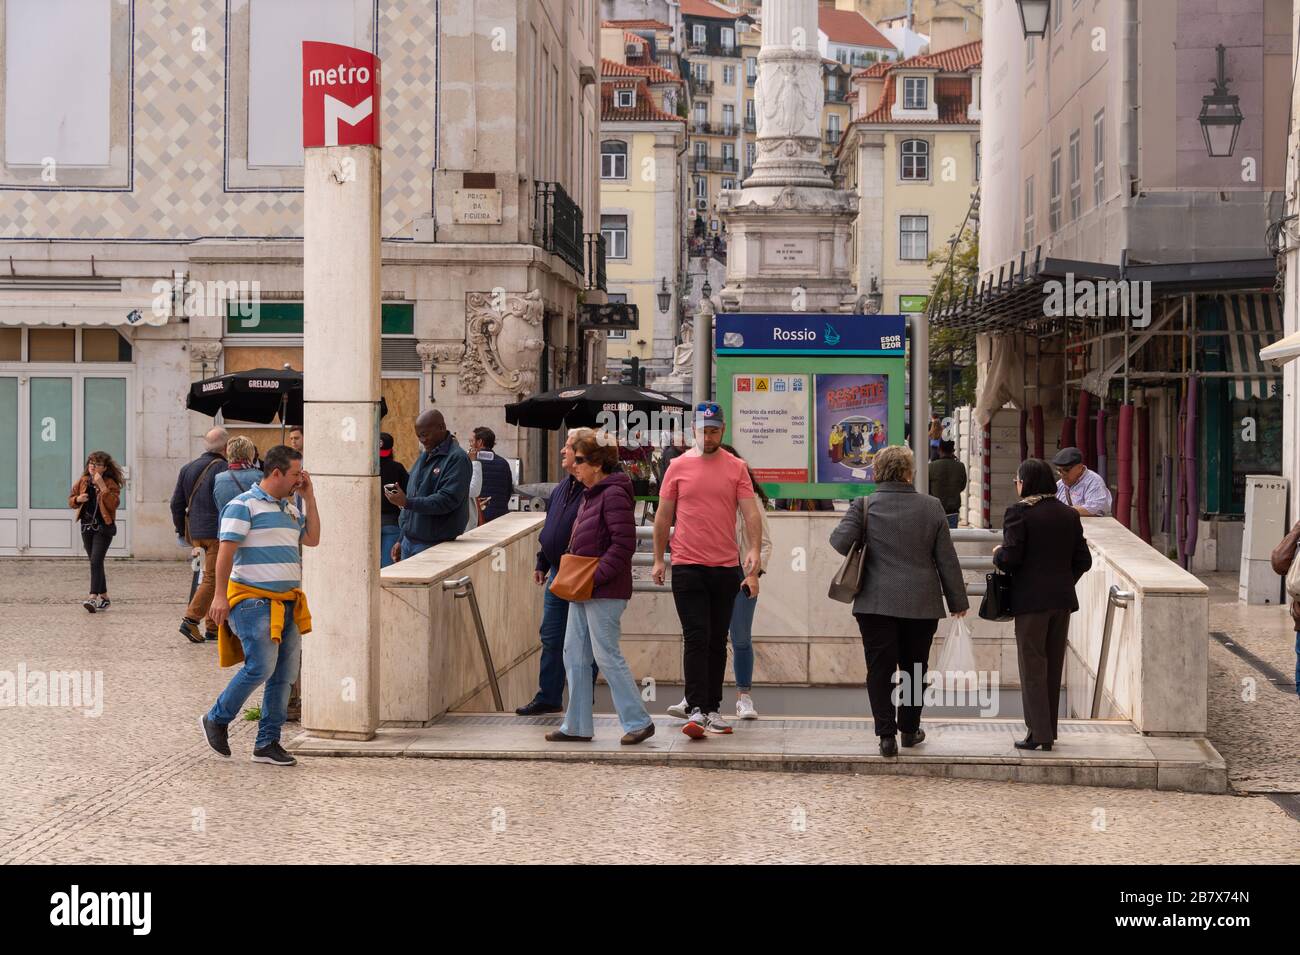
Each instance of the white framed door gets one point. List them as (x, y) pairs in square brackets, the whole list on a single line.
[(51, 417)]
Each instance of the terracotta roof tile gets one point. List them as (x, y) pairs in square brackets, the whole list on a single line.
[(636, 24), (850, 27), (653, 74), (951, 93), (702, 8), (645, 109)]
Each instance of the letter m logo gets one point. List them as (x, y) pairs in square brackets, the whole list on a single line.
[(337, 112), (341, 96)]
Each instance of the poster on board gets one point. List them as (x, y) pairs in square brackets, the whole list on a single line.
[(851, 423), (769, 425)]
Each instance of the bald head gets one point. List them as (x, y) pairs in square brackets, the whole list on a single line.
[(215, 440), (431, 429)]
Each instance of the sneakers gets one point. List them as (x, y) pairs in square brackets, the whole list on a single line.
[(103, 604), (216, 736), (696, 726), (680, 710), (745, 707), (91, 604), (537, 708), (189, 629), (274, 754), (714, 723)]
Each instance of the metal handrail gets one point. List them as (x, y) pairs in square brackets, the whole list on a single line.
[(1116, 598), (464, 587)]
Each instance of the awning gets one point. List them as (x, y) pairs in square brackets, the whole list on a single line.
[(90, 309), (1256, 321), (1283, 350)]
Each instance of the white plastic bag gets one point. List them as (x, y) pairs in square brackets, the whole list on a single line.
[(1293, 577), (957, 658)]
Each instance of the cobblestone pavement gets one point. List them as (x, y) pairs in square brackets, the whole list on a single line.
[(1254, 725), (137, 784)]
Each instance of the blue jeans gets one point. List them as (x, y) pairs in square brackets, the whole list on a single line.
[(389, 534), (742, 641), (265, 661), (555, 620), (410, 548), (592, 634)]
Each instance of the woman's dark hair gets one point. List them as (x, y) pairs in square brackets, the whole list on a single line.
[(758, 488), (599, 449), (1036, 477), (105, 460)]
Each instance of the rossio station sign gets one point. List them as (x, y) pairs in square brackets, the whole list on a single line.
[(340, 95)]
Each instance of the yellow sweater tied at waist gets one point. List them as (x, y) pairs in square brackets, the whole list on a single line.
[(229, 650)]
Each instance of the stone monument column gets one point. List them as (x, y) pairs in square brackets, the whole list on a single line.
[(788, 98)]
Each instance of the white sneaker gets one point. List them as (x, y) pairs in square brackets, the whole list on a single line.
[(714, 723), (745, 707), (680, 710)]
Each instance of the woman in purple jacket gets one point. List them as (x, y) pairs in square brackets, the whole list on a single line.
[(606, 528)]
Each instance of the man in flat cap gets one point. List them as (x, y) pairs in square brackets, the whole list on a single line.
[(1083, 489)]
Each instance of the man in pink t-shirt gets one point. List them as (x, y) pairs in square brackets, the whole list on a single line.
[(699, 495)]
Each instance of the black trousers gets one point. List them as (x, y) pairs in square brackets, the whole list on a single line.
[(705, 597), (895, 643), (1040, 650), (96, 543)]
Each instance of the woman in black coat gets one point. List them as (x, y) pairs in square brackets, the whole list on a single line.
[(1044, 551)]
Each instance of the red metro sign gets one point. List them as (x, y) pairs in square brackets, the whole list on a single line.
[(340, 95)]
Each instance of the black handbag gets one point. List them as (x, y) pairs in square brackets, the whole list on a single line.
[(996, 604)]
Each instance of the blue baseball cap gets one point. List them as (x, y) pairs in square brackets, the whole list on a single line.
[(709, 415)]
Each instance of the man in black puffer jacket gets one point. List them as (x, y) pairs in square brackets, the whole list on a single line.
[(498, 482), (193, 498)]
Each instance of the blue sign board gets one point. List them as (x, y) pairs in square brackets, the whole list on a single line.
[(811, 333)]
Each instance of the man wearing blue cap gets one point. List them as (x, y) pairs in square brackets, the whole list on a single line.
[(698, 501)]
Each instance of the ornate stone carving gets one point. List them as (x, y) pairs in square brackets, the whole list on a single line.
[(206, 352), (503, 341)]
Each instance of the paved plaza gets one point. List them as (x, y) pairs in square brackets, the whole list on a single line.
[(137, 783)]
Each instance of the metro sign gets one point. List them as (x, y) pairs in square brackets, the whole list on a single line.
[(340, 93)]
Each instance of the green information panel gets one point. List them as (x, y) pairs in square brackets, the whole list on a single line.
[(810, 399)]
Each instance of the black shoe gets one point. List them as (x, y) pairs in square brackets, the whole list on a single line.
[(190, 630), (216, 735), (210, 635), (274, 754), (537, 708), (555, 736), (1028, 743), (638, 736), (911, 739), (888, 746)]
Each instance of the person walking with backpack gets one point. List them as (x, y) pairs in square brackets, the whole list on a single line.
[(911, 570), (240, 474), (95, 497), (698, 502), (598, 590), (194, 515)]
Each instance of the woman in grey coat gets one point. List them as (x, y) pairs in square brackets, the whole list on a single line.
[(911, 570)]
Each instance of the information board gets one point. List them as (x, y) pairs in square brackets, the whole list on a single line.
[(769, 425)]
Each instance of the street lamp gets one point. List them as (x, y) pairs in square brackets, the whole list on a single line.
[(706, 289), (1220, 116), (1033, 16), (665, 296)]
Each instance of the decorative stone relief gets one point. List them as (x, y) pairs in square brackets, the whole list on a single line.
[(502, 344), (206, 352)]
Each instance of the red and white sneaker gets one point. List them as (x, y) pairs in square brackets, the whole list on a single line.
[(696, 726)]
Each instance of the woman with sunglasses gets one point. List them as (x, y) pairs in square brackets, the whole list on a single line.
[(1044, 551), (606, 528)]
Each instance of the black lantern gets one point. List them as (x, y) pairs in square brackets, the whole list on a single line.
[(1033, 16), (1220, 116), (706, 289), (665, 296)]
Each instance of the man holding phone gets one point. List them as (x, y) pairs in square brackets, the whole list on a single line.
[(391, 476), (435, 503)]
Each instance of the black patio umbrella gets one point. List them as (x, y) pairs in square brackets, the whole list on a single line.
[(259, 395), (580, 406)]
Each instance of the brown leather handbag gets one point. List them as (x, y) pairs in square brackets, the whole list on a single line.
[(576, 577)]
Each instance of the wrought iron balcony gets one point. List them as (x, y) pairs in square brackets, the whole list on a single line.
[(835, 96), (833, 136), (701, 126), (701, 87), (751, 79), (595, 248), (726, 129), (557, 223), (751, 124), (713, 164)]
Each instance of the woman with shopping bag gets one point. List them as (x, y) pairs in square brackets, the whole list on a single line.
[(595, 576), (910, 569), (1044, 551)]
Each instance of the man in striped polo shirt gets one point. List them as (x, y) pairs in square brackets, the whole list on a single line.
[(259, 598)]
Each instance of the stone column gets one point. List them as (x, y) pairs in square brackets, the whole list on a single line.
[(340, 669), (788, 98)]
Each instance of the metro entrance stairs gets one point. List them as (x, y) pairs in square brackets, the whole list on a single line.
[(1088, 752)]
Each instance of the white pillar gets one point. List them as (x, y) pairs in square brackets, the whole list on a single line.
[(340, 670), (788, 98)]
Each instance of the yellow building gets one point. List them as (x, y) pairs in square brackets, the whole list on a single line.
[(642, 194), (912, 155)]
